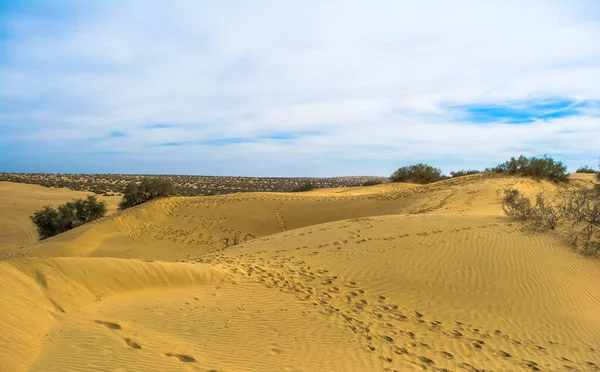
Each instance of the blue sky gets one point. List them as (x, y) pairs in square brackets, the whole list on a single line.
[(296, 88)]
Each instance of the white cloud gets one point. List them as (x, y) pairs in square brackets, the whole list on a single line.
[(375, 77)]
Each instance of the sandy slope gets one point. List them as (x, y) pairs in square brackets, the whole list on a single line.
[(19, 201), (391, 277)]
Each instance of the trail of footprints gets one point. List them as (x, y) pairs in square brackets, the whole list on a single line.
[(381, 326), (129, 342)]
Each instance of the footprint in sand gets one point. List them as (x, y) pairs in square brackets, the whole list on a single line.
[(447, 355), (182, 357), (132, 344), (109, 325), (275, 351)]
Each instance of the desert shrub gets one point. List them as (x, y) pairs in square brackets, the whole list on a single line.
[(49, 221), (541, 214), (580, 209), (534, 167), (497, 169), (148, 189), (464, 172), (418, 173), (516, 204), (235, 238), (586, 169), (371, 183), (306, 186)]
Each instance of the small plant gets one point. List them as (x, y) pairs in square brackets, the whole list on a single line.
[(371, 183), (49, 221), (235, 238), (418, 173)]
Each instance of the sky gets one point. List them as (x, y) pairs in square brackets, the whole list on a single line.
[(296, 87)]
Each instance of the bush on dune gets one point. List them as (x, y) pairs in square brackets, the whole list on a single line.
[(586, 169), (49, 221), (418, 173), (371, 183), (464, 172), (148, 189), (539, 168)]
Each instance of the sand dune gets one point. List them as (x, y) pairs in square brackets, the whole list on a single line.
[(179, 227), (389, 277), (19, 201)]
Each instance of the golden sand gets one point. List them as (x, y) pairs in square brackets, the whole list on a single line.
[(389, 277), (19, 201)]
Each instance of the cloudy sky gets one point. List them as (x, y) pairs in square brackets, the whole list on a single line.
[(296, 88)]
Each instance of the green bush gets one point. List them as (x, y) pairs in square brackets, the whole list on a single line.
[(306, 186), (371, 183), (534, 167), (148, 189), (418, 173), (49, 221), (464, 172), (586, 169)]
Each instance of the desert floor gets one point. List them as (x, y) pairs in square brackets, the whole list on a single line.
[(389, 277)]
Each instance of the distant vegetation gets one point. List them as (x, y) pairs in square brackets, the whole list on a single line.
[(306, 186), (465, 172), (586, 169), (49, 221), (372, 183), (113, 184), (418, 173), (148, 189), (540, 168)]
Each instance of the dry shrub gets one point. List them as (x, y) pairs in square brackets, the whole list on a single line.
[(580, 210)]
